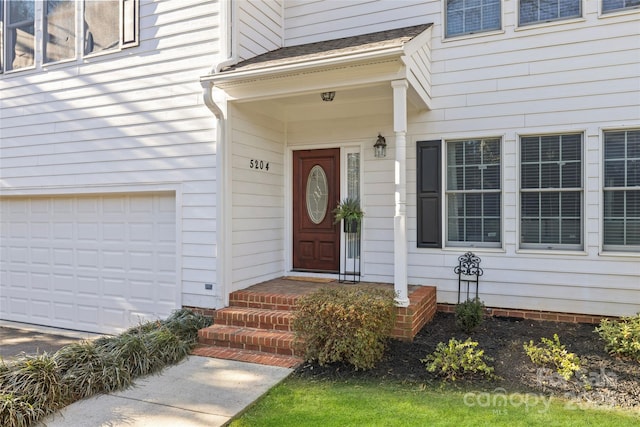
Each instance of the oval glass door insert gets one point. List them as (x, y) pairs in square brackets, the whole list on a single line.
[(317, 194)]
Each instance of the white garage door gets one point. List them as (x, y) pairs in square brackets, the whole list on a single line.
[(90, 263)]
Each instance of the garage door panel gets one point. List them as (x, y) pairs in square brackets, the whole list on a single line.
[(95, 263)]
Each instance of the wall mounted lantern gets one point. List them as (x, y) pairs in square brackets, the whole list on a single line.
[(380, 147), (327, 96)]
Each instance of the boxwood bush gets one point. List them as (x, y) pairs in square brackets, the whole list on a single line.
[(33, 386), (347, 324)]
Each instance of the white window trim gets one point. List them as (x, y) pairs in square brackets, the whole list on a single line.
[(549, 22), (481, 33)]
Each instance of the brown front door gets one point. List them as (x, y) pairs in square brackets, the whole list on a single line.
[(316, 192)]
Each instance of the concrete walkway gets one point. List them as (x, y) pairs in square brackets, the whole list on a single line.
[(199, 391)]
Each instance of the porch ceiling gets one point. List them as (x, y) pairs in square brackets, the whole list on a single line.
[(357, 67)]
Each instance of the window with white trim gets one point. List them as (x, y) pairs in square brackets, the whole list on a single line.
[(100, 25), (537, 11), (473, 193), (616, 5), (622, 190), (551, 192), (472, 16)]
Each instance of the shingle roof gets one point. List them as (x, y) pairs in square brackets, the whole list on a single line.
[(336, 47)]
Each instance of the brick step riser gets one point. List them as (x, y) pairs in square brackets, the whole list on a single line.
[(270, 321), (282, 348), (262, 301)]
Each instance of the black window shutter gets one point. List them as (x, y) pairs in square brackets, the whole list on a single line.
[(429, 194)]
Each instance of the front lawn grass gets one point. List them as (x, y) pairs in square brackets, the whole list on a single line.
[(299, 402)]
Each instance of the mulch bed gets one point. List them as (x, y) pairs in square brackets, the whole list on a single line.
[(606, 380)]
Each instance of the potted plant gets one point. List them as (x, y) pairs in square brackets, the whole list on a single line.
[(349, 211)]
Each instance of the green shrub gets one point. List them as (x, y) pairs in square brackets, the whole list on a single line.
[(552, 353), (16, 411), (621, 337), (469, 315), (456, 358), (88, 369), (345, 325), (36, 381), (132, 350)]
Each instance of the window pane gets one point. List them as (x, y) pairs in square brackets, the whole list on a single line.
[(614, 173), (550, 148), (101, 25), (633, 204), (550, 175), (633, 232), (571, 175), (550, 204), (492, 230), (455, 178), (455, 230), (473, 230), (20, 40), (611, 5), (530, 176), (633, 144), (614, 232), (472, 178), (614, 145), (491, 204), (549, 230), (633, 173), (60, 40), (570, 231), (530, 231), (532, 11), (530, 150), (571, 205), (473, 205), (530, 204), (614, 204)]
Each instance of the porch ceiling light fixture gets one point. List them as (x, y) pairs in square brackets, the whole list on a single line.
[(328, 96), (380, 147)]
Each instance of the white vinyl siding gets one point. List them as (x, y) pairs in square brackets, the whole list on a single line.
[(622, 190), (259, 27), (473, 193), (472, 16), (551, 192), (535, 11), (122, 123)]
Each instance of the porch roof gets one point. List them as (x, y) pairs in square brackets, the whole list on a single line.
[(345, 46), (383, 56)]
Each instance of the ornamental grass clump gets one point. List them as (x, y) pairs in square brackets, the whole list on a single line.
[(621, 337), (348, 325), (33, 384), (88, 369), (186, 324), (16, 411)]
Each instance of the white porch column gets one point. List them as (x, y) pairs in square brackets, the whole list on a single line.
[(400, 218)]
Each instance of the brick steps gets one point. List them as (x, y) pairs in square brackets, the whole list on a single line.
[(257, 325), (256, 328)]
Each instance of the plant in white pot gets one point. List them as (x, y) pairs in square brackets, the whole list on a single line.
[(349, 211)]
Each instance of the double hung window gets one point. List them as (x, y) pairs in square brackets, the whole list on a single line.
[(472, 16), (473, 194), (536, 11), (616, 5), (551, 192), (69, 28), (622, 190)]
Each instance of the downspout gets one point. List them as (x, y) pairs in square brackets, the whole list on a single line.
[(223, 240)]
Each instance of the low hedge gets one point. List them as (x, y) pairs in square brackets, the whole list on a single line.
[(33, 386), (346, 324)]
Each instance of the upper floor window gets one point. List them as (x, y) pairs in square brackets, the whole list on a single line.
[(98, 25), (473, 193), (472, 16), (615, 5), (551, 192), (622, 190), (536, 11)]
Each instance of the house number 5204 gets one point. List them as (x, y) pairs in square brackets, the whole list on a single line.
[(258, 164)]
